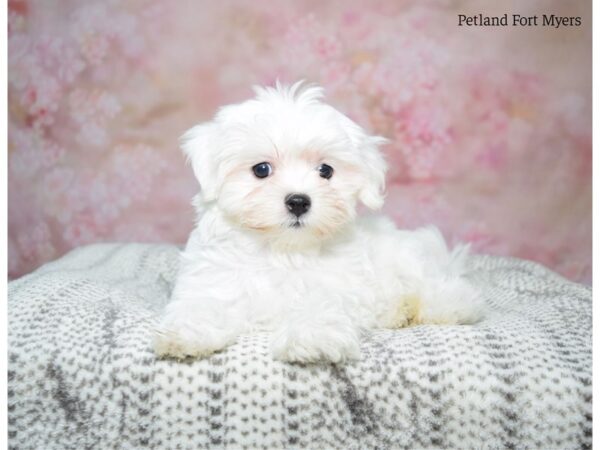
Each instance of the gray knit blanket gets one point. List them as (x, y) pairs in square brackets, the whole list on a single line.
[(82, 373)]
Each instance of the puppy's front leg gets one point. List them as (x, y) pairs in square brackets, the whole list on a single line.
[(316, 334), (195, 325)]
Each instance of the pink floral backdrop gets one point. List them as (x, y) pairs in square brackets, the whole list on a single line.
[(490, 128)]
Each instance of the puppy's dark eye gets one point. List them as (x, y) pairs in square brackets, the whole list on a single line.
[(262, 170), (325, 171)]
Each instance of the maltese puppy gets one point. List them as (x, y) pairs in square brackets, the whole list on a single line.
[(278, 246)]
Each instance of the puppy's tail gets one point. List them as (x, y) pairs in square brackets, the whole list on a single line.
[(439, 258), (457, 259)]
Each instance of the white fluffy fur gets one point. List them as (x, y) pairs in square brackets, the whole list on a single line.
[(246, 268)]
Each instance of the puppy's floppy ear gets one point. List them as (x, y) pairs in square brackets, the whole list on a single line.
[(371, 194), (372, 163), (199, 144)]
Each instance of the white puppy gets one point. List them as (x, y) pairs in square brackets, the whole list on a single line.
[(278, 246)]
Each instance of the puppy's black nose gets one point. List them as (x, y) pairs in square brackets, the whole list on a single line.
[(297, 204)]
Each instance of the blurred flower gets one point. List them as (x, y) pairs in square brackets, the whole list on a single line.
[(35, 242)]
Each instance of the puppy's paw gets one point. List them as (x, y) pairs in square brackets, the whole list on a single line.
[(180, 339), (335, 341)]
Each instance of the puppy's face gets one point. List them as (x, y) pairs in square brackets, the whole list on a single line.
[(286, 166)]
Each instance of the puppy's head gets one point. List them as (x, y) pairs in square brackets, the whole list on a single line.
[(286, 165)]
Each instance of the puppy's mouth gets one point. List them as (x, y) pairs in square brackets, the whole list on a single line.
[(296, 222)]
